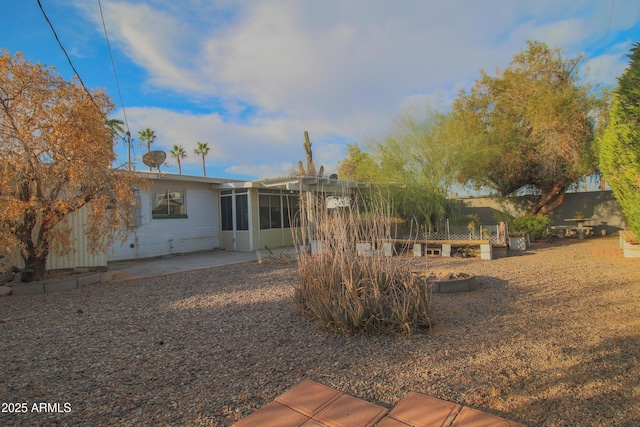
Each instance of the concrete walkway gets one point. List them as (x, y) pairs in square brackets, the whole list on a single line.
[(149, 267)]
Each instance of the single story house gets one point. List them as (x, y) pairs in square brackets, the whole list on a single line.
[(180, 214)]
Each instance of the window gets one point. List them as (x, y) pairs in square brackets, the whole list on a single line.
[(168, 204), (241, 213), (270, 211), (226, 208), (291, 215), (278, 211)]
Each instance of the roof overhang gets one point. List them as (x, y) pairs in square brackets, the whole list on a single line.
[(309, 183)]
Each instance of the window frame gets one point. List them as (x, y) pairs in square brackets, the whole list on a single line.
[(286, 219), (167, 192)]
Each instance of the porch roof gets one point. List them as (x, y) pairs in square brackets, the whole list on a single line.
[(297, 183)]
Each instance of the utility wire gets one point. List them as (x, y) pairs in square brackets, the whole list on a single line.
[(606, 36), (115, 74), (69, 59), (113, 65)]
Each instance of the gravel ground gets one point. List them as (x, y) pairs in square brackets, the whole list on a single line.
[(550, 338)]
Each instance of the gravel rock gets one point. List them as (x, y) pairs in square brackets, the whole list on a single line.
[(550, 337)]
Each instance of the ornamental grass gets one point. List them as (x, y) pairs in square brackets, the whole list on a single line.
[(346, 287)]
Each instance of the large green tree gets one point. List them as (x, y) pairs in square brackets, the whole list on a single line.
[(530, 129), (358, 166), (56, 160), (619, 146), (412, 163), (416, 156)]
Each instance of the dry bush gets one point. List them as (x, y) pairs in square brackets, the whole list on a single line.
[(346, 292)]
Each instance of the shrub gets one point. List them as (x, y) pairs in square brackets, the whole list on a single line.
[(535, 225), (619, 146), (348, 293)]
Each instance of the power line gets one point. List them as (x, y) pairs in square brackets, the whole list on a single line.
[(115, 74), (69, 59), (606, 36), (113, 65)]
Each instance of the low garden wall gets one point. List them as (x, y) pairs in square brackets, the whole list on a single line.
[(64, 283)]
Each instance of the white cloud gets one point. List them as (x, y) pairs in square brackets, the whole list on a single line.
[(340, 69)]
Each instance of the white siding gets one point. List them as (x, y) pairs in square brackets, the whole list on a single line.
[(156, 237)]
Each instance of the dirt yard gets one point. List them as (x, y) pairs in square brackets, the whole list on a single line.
[(551, 337)]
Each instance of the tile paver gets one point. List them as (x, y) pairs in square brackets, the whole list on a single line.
[(348, 411), (391, 422), (309, 397), (313, 423), (273, 414), (310, 404), (419, 410), (473, 418)]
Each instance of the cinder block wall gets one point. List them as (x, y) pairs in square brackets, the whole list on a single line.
[(598, 204)]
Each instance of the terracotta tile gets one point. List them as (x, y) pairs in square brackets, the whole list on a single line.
[(273, 415), (349, 411), (419, 410), (308, 397), (313, 423), (389, 421), (473, 418)]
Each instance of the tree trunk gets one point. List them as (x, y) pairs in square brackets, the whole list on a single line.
[(548, 201), (36, 268)]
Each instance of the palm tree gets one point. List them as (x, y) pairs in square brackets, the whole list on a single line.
[(178, 153), (115, 127), (147, 135), (202, 150)]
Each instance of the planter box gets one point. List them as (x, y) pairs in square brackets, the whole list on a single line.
[(499, 251), (518, 243)]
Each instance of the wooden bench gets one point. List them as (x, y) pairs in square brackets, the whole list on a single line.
[(629, 244), (422, 246)]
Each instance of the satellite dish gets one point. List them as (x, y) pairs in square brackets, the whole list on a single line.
[(154, 159)]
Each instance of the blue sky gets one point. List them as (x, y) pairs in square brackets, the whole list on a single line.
[(250, 77)]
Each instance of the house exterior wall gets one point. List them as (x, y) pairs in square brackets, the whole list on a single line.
[(242, 242), (256, 238), (165, 236), (275, 238), (80, 256)]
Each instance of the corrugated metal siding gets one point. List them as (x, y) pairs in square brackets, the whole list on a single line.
[(81, 257)]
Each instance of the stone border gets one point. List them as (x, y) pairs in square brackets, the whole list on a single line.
[(452, 286), (466, 283), (59, 285)]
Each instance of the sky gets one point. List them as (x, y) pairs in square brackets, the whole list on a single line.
[(249, 77)]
